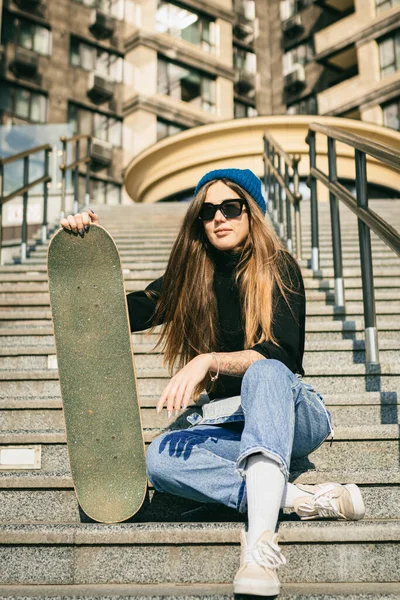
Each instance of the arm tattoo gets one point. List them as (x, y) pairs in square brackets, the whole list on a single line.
[(236, 363)]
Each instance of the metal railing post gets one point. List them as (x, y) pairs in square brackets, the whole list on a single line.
[(297, 200), (265, 171), (280, 199), (335, 227), (47, 154), (269, 172), (1, 209), (76, 178), (364, 236), (87, 183), (24, 232), (273, 188), (314, 203), (289, 241), (63, 175)]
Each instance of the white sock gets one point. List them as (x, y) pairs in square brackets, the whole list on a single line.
[(265, 483), (291, 492)]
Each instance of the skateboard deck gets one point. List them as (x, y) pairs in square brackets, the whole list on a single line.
[(97, 374)]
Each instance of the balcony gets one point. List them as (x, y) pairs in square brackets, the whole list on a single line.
[(341, 34), (245, 82), (243, 28), (293, 25), (295, 80), (333, 99), (102, 25), (101, 153), (101, 88), (25, 62)]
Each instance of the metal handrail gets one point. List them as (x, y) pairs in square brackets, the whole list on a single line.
[(14, 157), (24, 191), (379, 151), (367, 219), (74, 166), (276, 182)]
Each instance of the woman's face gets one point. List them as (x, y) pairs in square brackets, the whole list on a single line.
[(222, 233)]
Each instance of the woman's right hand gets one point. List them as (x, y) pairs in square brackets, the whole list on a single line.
[(80, 222)]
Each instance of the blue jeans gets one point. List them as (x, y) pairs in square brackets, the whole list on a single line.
[(283, 417)]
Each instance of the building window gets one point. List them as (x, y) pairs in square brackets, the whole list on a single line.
[(23, 103), (99, 125), (305, 106), (115, 8), (92, 58), (303, 54), (244, 60), (167, 128), (185, 25), (187, 84), (382, 5), (288, 8), (27, 34), (391, 114), (247, 8), (242, 110), (105, 192), (389, 51)]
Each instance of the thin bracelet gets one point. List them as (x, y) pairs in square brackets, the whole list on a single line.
[(215, 377)]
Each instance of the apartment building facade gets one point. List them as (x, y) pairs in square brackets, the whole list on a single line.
[(129, 73), (330, 57), (132, 72)]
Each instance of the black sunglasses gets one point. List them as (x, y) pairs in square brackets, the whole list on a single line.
[(229, 208)]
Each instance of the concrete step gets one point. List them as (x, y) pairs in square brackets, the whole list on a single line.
[(15, 416), (144, 359), (350, 272), (134, 245), (351, 379), (371, 455), (125, 553), (60, 506), (141, 347), (27, 282), (13, 293), (360, 400), (19, 292), (12, 324), (26, 302), (218, 591)]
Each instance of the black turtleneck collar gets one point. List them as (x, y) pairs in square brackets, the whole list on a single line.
[(225, 261)]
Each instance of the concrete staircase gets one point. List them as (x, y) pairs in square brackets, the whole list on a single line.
[(179, 549)]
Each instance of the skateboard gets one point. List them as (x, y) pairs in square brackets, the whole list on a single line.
[(97, 374)]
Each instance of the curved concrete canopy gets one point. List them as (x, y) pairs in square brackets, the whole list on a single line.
[(177, 163)]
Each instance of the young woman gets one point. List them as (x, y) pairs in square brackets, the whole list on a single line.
[(232, 308)]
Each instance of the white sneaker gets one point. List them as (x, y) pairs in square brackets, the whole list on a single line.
[(257, 572), (331, 500)]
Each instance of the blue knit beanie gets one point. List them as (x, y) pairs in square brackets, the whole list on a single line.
[(243, 177)]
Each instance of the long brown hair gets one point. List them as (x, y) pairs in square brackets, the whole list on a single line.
[(187, 305)]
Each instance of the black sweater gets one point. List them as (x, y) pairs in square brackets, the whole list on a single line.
[(289, 333)]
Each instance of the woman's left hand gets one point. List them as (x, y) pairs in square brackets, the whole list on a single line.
[(180, 388)]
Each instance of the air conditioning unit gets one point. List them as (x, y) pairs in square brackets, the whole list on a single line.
[(25, 61), (293, 25), (245, 82), (101, 152), (295, 79), (243, 27), (102, 25), (101, 88)]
